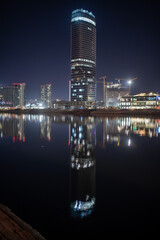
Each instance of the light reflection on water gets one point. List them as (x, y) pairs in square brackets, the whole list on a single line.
[(14, 126), (86, 136)]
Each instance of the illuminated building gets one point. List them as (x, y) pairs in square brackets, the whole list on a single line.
[(19, 93), (114, 92), (83, 56), (13, 96), (46, 95), (6, 96), (82, 145), (140, 101), (73, 104)]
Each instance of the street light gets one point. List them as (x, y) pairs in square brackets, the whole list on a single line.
[(129, 82)]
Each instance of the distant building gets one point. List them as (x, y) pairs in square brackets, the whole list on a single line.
[(63, 104), (139, 101), (114, 92), (83, 56), (6, 96), (19, 94), (13, 96), (46, 95)]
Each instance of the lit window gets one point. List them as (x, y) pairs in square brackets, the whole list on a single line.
[(83, 65), (83, 60)]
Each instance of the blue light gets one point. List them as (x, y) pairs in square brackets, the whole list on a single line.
[(83, 19)]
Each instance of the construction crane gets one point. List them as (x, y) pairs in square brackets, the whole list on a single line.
[(129, 81)]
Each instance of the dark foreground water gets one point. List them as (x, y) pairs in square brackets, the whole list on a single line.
[(80, 176)]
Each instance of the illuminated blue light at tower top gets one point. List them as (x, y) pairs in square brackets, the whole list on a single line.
[(83, 56)]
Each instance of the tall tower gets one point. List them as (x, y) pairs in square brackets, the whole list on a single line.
[(46, 95), (83, 56), (19, 94)]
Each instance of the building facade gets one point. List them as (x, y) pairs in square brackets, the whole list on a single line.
[(83, 56), (6, 96), (13, 96), (46, 95), (140, 101), (19, 94)]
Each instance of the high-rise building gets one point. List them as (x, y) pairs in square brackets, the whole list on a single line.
[(46, 95), (6, 96), (13, 96), (83, 56), (19, 94)]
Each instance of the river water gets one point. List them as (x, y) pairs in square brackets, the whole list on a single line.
[(76, 175)]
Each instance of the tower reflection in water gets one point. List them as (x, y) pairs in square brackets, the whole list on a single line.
[(82, 149)]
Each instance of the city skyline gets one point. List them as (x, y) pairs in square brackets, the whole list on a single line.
[(35, 44)]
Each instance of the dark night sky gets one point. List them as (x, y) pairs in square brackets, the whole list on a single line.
[(35, 43)]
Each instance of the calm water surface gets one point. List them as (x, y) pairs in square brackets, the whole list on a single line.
[(79, 175)]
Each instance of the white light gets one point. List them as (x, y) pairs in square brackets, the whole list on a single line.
[(129, 82), (83, 19), (129, 142)]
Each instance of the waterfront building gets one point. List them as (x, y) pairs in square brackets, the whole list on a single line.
[(46, 95), (19, 94), (83, 56), (12, 96), (140, 101), (63, 104), (6, 96)]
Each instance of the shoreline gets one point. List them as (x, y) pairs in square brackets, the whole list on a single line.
[(13, 228), (87, 112)]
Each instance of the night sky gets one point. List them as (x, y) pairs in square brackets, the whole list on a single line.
[(35, 43)]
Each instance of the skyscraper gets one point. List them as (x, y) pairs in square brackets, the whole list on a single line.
[(46, 95), (19, 92), (13, 96), (83, 56)]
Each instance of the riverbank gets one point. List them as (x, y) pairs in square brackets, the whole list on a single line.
[(13, 228), (87, 112)]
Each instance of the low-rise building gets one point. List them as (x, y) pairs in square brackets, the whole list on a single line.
[(63, 104), (140, 101)]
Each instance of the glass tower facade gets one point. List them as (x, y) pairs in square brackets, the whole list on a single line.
[(83, 56)]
